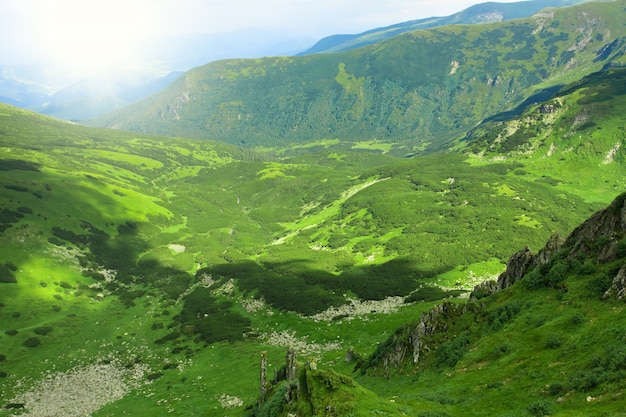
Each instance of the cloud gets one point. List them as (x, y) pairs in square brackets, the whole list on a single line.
[(68, 28)]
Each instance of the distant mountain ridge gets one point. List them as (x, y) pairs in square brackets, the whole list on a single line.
[(36, 87), (480, 13), (418, 91)]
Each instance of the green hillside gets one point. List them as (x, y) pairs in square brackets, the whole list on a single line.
[(153, 275), (414, 92), (580, 130), (125, 255), (551, 343), (477, 14)]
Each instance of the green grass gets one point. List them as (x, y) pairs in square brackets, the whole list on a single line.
[(79, 204)]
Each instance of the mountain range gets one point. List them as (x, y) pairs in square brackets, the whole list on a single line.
[(382, 231), (490, 12), (38, 88), (416, 91)]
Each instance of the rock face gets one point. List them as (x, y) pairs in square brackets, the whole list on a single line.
[(607, 225), (412, 340), (597, 238), (618, 287)]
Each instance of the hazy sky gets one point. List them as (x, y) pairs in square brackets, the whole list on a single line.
[(104, 32)]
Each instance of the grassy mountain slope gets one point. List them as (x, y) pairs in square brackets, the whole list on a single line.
[(480, 13), (416, 91), (580, 129), (124, 255), (557, 335)]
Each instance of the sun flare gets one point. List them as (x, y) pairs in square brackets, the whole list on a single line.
[(93, 38)]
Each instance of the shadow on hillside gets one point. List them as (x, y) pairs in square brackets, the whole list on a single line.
[(539, 97), (297, 286)]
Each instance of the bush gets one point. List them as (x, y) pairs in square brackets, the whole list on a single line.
[(599, 284), (556, 388), (211, 319), (620, 249), (433, 414), (578, 318), (42, 331), (557, 274), (553, 341), (534, 279), (449, 353), (503, 314), (31, 342), (609, 367), (65, 285), (539, 408), (501, 350), (6, 273)]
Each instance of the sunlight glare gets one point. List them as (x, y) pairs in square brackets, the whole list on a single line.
[(92, 38)]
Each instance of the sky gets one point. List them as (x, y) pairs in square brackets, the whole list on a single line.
[(98, 34)]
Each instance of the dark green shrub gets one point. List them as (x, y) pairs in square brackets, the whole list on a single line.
[(557, 274), (42, 331), (534, 279), (501, 350), (31, 342), (154, 376), (213, 320), (608, 367), (501, 315), (168, 338), (6, 273), (556, 388), (449, 353), (620, 248), (599, 284), (433, 414), (578, 318), (553, 341), (11, 332), (128, 297), (539, 408)]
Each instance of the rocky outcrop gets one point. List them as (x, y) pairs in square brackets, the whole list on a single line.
[(597, 238), (599, 235), (516, 268), (524, 260), (618, 287), (410, 342)]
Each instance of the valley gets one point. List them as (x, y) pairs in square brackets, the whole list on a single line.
[(148, 269)]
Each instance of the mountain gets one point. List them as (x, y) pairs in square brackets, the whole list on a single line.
[(478, 14), (91, 98), (24, 86), (81, 97), (150, 275), (415, 92), (146, 275)]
